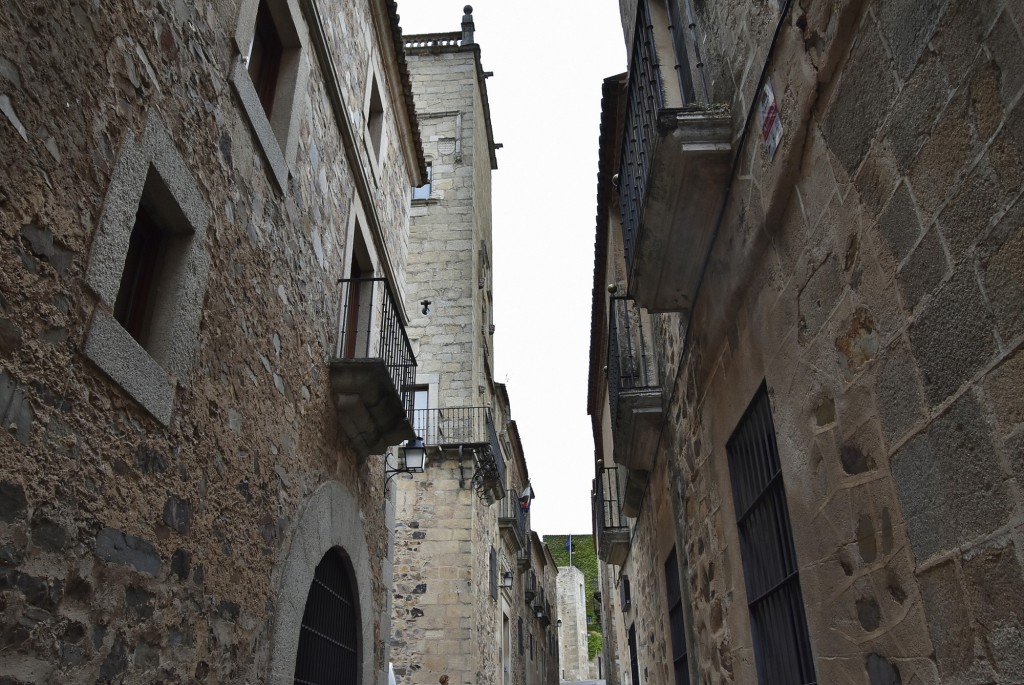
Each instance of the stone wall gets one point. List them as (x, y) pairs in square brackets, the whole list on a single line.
[(572, 610), (870, 275), (131, 549)]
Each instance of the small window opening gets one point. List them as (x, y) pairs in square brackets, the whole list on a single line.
[(375, 118), (265, 57), (157, 252), (137, 292), (423, 192)]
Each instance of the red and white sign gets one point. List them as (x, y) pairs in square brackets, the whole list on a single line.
[(771, 123)]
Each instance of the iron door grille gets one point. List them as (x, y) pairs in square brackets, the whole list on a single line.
[(329, 636), (675, 620), (782, 646), (634, 660)]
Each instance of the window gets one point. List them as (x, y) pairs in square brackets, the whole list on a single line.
[(677, 628), (269, 76), (423, 192), (420, 411), (531, 646), (494, 574), (329, 634), (134, 306), (627, 601), (522, 647), (375, 119), (265, 57), (782, 646), (634, 660), (146, 341)]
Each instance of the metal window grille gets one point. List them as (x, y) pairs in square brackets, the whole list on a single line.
[(627, 601), (494, 574), (634, 660), (630, 360), (782, 646), (329, 636), (675, 619), (645, 99)]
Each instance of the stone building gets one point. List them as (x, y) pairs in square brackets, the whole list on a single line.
[(572, 631), (462, 543), (806, 362), (203, 240)]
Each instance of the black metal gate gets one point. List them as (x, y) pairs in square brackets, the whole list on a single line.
[(329, 638)]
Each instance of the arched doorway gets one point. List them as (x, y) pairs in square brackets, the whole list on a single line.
[(329, 638)]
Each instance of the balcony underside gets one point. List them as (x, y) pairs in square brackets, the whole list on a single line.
[(512, 534), (370, 411), (613, 547), (688, 177), (638, 424), (633, 492)]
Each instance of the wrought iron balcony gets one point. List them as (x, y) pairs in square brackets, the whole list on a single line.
[(530, 586), (512, 522), (525, 558), (372, 368), (634, 391), (468, 428), (611, 523), (453, 426), (674, 171)]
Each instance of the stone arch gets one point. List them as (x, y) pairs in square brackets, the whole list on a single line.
[(330, 518)]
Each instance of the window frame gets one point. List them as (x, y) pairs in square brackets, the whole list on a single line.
[(762, 520), (276, 133), (150, 170)]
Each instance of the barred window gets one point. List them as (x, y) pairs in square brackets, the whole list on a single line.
[(782, 646)]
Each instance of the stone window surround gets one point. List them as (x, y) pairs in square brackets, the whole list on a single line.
[(149, 376), (374, 79), (330, 518), (277, 136)]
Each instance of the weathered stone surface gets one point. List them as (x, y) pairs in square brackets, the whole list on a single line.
[(867, 91), (899, 224), (13, 504), (946, 607), (908, 25), (16, 413), (1008, 51), (1002, 272), (899, 392), (993, 576), (119, 548), (916, 110), (178, 514), (881, 671), (952, 338), (820, 295), (950, 481), (923, 271), (1004, 390)]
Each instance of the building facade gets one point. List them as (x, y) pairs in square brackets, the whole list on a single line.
[(464, 568), (203, 240), (806, 344)]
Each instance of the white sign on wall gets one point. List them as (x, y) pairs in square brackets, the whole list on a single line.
[(771, 123)]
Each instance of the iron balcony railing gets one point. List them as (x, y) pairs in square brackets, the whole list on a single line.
[(609, 502), (512, 512), (630, 363), (370, 327), (452, 426), (524, 558), (498, 462), (645, 98)]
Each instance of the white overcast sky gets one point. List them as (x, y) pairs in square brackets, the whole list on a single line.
[(549, 59)]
